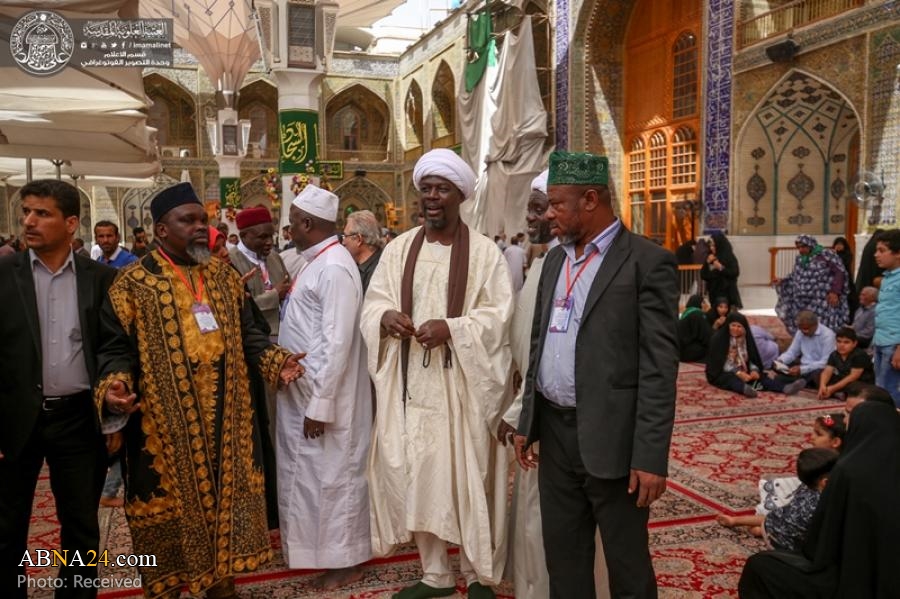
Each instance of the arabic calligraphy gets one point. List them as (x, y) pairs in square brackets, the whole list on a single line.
[(294, 141), (122, 29)]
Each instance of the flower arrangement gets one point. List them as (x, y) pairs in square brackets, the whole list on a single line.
[(232, 200), (300, 181), (272, 184)]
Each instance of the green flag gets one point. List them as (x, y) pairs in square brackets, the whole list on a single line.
[(481, 49), (229, 192), (299, 139)]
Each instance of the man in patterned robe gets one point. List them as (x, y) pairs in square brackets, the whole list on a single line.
[(178, 340)]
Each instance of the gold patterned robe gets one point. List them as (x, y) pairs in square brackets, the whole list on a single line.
[(194, 485)]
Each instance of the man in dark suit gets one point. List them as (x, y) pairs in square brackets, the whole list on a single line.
[(600, 389), (51, 302)]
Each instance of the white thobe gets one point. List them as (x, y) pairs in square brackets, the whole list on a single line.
[(435, 464), (517, 259), (526, 565), (323, 497)]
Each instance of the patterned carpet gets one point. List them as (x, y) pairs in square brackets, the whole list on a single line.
[(722, 444)]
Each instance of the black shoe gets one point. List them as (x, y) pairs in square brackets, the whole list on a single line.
[(479, 591), (420, 590)]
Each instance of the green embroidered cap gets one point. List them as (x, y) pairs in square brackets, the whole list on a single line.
[(578, 168)]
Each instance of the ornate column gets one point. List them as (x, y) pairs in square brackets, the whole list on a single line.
[(299, 52), (719, 22), (562, 74), (228, 139)]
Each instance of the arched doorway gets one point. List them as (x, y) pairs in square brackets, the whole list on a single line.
[(443, 114), (361, 194), (357, 125), (173, 114), (662, 120), (640, 77), (259, 105), (136, 206), (415, 127), (795, 160)]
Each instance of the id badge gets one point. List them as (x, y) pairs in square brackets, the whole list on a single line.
[(561, 315), (205, 319)]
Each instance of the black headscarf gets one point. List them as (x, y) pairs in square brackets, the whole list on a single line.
[(868, 268), (856, 526), (693, 331), (695, 301), (723, 247), (721, 341), (713, 315), (725, 281), (845, 254)]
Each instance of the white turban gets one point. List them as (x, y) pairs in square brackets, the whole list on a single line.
[(447, 164), (318, 202), (540, 182)]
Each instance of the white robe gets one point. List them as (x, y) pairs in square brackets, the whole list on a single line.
[(526, 565), (437, 466), (323, 499), (517, 259)]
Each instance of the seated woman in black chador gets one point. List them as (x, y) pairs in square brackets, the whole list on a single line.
[(851, 547), (733, 362), (693, 331), (720, 310)]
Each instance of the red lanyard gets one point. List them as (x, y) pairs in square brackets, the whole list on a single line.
[(570, 286), (198, 295), (325, 249), (319, 253)]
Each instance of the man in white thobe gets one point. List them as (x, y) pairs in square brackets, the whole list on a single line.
[(440, 295), (324, 424), (517, 260)]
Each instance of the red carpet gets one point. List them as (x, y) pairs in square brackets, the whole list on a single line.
[(723, 443)]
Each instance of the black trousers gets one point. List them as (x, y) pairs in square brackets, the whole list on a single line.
[(573, 505), (76, 455)]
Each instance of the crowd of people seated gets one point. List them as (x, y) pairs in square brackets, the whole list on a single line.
[(831, 346), (830, 531)]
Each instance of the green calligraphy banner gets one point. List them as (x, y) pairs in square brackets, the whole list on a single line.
[(230, 192), (299, 139)]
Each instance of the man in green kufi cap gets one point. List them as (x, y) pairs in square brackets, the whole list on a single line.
[(600, 389)]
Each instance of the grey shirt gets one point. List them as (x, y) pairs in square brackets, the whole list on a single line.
[(864, 322), (64, 369), (556, 371)]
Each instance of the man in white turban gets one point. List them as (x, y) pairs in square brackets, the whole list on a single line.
[(324, 424), (435, 321)]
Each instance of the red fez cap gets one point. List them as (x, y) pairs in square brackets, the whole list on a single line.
[(253, 216)]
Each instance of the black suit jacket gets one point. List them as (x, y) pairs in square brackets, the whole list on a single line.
[(626, 358), (20, 341)]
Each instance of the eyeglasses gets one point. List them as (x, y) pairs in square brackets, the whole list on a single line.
[(349, 235)]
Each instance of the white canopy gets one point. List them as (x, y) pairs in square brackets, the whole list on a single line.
[(94, 173), (88, 114)]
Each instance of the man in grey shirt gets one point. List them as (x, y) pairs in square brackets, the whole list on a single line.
[(864, 319), (51, 303)]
